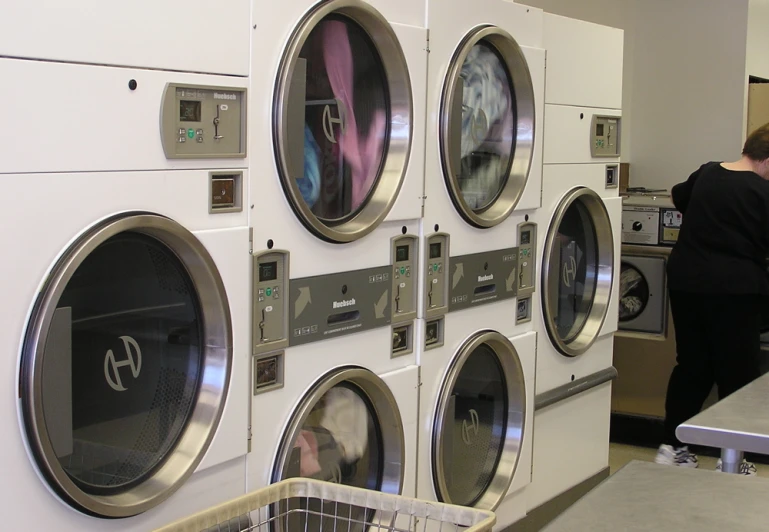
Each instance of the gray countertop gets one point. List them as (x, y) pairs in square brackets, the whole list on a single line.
[(739, 421), (648, 497)]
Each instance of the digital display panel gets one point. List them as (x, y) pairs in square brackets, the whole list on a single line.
[(599, 130), (401, 253), (268, 271), (435, 250), (189, 111), (525, 238)]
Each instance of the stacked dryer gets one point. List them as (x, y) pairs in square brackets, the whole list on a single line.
[(335, 209), (478, 252), (579, 238), (125, 304)]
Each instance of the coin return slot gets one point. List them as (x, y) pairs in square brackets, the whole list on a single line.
[(434, 333), (485, 289), (402, 340), (268, 372), (344, 317)]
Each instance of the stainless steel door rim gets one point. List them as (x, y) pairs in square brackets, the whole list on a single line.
[(598, 287), (514, 391), (517, 68), (216, 353), (399, 122)]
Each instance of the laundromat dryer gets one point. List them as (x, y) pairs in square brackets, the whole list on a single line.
[(644, 345)]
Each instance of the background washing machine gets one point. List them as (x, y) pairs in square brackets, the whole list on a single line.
[(484, 115), (341, 146), (126, 321), (580, 240)]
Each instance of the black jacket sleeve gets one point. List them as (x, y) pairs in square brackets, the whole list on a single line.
[(682, 192)]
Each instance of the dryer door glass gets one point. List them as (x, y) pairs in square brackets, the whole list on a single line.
[(487, 126), (343, 121), (578, 271), (633, 292), (478, 426), (118, 369), (342, 432)]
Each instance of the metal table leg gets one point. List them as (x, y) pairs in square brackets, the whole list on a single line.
[(731, 460)]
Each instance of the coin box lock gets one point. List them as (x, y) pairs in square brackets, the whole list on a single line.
[(268, 372), (434, 333), (225, 192), (403, 340)]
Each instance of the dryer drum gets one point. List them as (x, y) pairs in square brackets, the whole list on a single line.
[(131, 321), (347, 429), (342, 120), (577, 271), (479, 423), (487, 123)]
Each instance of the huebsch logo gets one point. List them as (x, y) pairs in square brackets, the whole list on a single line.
[(484, 278), (224, 96), (344, 303)]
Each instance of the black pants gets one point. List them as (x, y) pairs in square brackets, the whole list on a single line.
[(717, 341)]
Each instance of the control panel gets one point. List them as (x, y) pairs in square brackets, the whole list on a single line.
[(604, 138), (527, 269), (198, 122), (338, 304), (270, 311), (670, 225), (640, 225), (404, 278), (436, 280), (482, 278)]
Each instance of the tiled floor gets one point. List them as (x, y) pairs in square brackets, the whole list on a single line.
[(620, 454)]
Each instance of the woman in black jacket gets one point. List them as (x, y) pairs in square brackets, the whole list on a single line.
[(718, 286)]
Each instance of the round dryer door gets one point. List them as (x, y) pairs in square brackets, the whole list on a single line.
[(125, 365), (347, 430), (344, 91), (633, 292), (577, 271), (479, 423), (487, 126)]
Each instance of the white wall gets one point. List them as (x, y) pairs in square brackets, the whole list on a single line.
[(758, 39), (684, 80)]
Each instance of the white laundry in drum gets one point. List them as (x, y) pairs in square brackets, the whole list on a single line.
[(345, 416), (629, 304)]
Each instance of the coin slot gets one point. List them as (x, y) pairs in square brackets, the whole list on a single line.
[(225, 192), (402, 340), (434, 333), (268, 372), (344, 317)]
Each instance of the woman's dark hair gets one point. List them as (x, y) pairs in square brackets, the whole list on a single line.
[(757, 145)]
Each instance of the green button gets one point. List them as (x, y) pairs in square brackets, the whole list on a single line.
[(269, 290), (435, 267), (191, 133)]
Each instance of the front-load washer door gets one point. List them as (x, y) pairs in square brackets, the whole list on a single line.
[(642, 297), (487, 126), (577, 271), (126, 365), (347, 430), (479, 423), (342, 120)]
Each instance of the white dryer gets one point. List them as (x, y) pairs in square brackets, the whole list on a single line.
[(485, 101), (341, 410), (339, 130), (476, 409), (580, 242), (126, 304)]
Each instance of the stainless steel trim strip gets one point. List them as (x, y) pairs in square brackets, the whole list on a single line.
[(556, 395)]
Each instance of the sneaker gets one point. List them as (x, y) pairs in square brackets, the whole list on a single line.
[(746, 468), (680, 456)]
